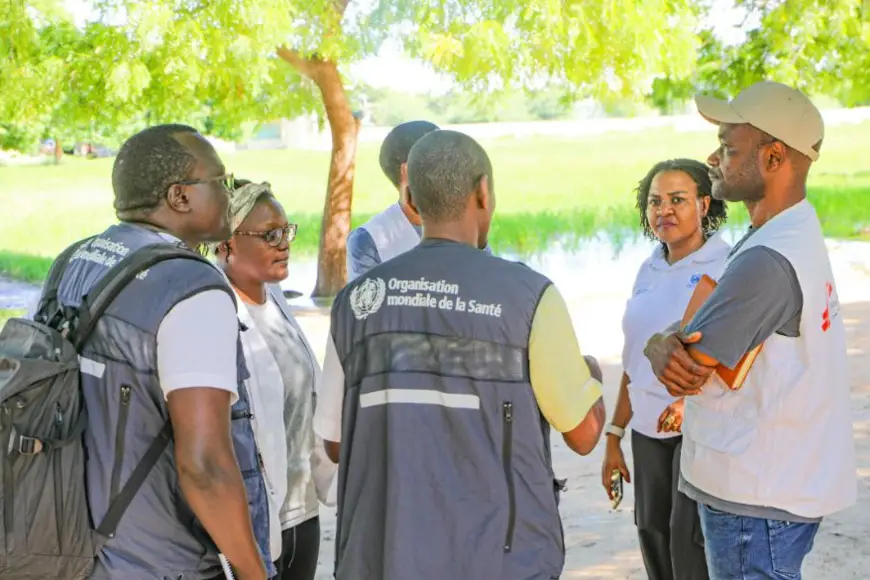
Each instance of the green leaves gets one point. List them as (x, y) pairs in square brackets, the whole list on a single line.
[(145, 61), (817, 46), (603, 48)]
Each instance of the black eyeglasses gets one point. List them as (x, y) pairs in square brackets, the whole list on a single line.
[(227, 180), (276, 236)]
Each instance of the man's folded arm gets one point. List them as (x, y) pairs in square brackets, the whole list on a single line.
[(757, 296), (568, 394)]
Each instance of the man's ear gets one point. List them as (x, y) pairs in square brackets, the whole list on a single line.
[(178, 199), (408, 202), (775, 156), (405, 199), (484, 199), (403, 179)]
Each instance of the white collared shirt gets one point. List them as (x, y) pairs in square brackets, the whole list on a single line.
[(659, 298)]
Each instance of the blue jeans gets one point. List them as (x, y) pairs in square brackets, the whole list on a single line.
[(744, 548)]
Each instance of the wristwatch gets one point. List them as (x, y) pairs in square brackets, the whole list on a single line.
[(617, 432)]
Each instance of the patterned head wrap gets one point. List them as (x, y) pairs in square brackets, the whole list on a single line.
[(243, 201)]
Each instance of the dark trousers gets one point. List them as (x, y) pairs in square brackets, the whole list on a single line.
[(300, 547), (668, 524)]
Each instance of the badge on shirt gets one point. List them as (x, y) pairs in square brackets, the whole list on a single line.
[(693, 281)]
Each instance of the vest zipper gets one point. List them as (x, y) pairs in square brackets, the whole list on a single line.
[(120, 436), (58, 482), (8, 480), (507, 454)]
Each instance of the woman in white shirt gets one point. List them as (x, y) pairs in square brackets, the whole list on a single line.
[(283, 373), (676, 209)]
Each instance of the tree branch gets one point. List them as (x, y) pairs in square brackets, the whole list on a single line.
[(309, 66), (306, 66), (341, 6)]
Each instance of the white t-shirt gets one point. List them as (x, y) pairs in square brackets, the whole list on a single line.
[(197, 344), (290, 414), (659, 298), (330, 396)]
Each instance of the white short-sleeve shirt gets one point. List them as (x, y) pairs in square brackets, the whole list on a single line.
[(197, 344), (330, 396)]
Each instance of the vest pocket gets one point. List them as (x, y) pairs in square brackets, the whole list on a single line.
[(120, 437), (507, 453), (721, 420)]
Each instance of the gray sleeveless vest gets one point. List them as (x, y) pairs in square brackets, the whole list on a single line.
[(445, 459), (158, 537)]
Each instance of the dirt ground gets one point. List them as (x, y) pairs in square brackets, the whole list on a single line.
[(602, 543)]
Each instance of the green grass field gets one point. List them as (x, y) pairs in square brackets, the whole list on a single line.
[(6, 314), (546, 188)]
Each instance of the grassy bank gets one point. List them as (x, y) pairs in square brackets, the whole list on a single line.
[(6, 314), (546, 187)]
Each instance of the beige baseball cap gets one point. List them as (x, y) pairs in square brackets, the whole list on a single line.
[(779, 110)]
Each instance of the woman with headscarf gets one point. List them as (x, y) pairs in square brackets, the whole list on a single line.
[(283, 373)]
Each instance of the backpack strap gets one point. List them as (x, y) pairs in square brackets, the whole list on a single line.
[(52, 283), (140, 473), (104, 292), (94, 304)]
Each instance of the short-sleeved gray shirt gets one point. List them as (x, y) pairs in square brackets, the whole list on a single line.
[(758, 295)]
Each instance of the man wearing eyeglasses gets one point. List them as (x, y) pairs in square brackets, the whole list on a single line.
[(168, 347)]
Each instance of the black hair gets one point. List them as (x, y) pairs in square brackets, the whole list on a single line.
[(444, 168), (147, 164), (717, 213), (397, 146)]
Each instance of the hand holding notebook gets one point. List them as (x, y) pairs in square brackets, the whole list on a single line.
[(735, 377)]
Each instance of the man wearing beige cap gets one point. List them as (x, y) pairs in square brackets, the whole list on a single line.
[(768, 461)]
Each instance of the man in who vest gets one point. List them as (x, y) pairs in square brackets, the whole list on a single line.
[(168, 348), (766, 462), (444, 370)]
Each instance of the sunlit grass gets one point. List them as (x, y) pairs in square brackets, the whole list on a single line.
[(546, 188), (6, 314)]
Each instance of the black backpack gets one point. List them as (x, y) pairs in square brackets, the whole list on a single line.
[(45, 524)]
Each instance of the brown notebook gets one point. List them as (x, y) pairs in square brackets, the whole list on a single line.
[(732, 377)]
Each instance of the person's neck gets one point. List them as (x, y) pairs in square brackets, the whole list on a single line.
[(774, 203), (454, 232), (679, 250), (250, 291), (412, 219), (154, 226)]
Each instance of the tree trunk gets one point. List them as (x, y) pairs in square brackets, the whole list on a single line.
[(58, 151), (335, 225)]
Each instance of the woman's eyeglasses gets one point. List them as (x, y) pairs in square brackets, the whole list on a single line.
[(276, 236)]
